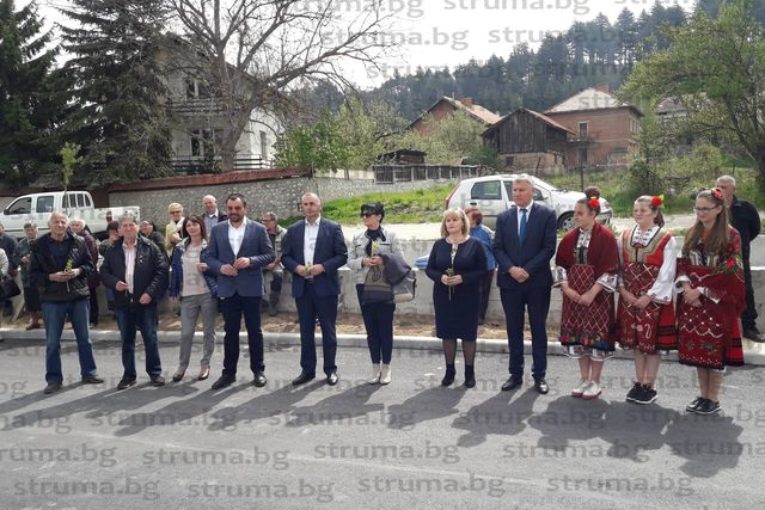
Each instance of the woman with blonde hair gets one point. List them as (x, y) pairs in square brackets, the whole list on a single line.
[(456, 265)]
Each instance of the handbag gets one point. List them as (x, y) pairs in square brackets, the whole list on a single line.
[(376, 288), (406, 288), (8, 288)]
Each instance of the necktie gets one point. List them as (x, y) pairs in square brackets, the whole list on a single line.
[(522, 229)]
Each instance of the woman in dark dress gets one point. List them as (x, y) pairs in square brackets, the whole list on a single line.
[(456, 265)]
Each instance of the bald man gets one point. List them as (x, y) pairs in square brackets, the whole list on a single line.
[(211, 214), (313, 250)]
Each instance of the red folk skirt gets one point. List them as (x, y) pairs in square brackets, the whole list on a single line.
[(589, 326), (649, 330), (709, 335)]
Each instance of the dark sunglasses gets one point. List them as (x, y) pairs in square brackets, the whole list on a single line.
[(367, 214)]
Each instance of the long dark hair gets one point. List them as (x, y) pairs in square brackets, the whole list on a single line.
[(717, 240), (195, 218)]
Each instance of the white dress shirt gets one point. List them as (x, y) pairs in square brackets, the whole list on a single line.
[(236, 236), (129, 265), (309, 240)]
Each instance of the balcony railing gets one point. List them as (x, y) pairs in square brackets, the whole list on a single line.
[(193, 166)]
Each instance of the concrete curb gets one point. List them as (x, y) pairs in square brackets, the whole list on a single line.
[(754, 353)]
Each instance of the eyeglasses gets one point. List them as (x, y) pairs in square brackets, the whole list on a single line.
[(367, 214), (705, 209)]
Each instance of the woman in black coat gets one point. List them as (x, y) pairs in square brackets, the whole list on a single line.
[(456, 265)]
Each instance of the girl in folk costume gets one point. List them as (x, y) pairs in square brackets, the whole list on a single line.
[(710, 278), (587, 268), (646, 315)]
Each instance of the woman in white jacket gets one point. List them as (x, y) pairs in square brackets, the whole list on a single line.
[(376, 301)]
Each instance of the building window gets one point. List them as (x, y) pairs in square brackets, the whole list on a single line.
[(263, 145), (196, 89), (583, 130), (204, 141)]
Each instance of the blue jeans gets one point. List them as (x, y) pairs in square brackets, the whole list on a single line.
[(54, 315), (143, 318)]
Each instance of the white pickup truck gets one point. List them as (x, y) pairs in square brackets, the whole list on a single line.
[(77, 204)]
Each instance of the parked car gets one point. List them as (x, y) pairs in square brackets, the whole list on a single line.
[(493, 194), (37, 207)]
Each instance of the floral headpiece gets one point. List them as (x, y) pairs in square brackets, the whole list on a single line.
[(717, 193), (593, 203), (657, 201)]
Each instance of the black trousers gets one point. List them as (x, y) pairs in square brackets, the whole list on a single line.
[(233, 308)]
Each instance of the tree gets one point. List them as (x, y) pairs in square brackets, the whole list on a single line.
[(451, 140), (318, 147), (121, 121), (28, 114), (716, 68), (250, 53)]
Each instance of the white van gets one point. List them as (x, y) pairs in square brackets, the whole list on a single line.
[(493, 194)]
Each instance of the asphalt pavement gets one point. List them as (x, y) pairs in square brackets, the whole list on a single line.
[(412, 444)]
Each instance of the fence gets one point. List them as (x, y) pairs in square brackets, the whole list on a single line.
[(390, 174), (194, 166)]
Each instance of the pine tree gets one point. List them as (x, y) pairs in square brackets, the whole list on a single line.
[(26, 116), (121, 122)]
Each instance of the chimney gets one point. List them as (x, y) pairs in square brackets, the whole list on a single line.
[(603, 87), (467, 101)]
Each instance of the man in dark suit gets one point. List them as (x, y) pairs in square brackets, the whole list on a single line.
[(313, 250), (136, 270), (237, 252), (524, 243)]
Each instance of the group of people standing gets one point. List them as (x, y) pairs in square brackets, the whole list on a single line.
[(686, 298)]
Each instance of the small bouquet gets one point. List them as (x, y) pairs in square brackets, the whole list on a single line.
[(450, 272), (307, 272), (730, 265), (68, 268), (375, 247)]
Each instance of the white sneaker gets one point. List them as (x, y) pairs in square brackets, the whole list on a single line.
[(579, 390), (375, 374), (592, 391), (385, 374)]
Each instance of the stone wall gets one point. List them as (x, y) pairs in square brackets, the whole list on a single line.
[(279, 195)]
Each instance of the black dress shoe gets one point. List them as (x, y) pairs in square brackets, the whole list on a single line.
[(303, 378), (512, 383), (754, 335), (332, 378), (125, 382), (541, 386), (157, 380), (52, 388), (260, 380), (223, 381), (91, 379)]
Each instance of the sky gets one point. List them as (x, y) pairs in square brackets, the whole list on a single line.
[(439, 33)]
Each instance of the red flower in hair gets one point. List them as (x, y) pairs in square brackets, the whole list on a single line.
[(731, 263), (717, 193), (593, 203), (657, 201)]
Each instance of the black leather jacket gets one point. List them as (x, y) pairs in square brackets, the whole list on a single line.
[(150, 275), (43, 264)]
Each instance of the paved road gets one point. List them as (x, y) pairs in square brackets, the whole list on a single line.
[(412, 444)]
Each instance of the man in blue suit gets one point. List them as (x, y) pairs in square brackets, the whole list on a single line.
[(524, 243), (237, 251), (313, 250)]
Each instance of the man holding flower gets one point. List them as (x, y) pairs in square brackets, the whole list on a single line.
[(60, 264), (313, 250)]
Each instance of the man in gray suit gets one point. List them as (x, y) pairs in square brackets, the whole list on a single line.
[(237, 252)]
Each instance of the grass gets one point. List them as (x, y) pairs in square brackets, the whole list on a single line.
[(616, 188), (414, 206)]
